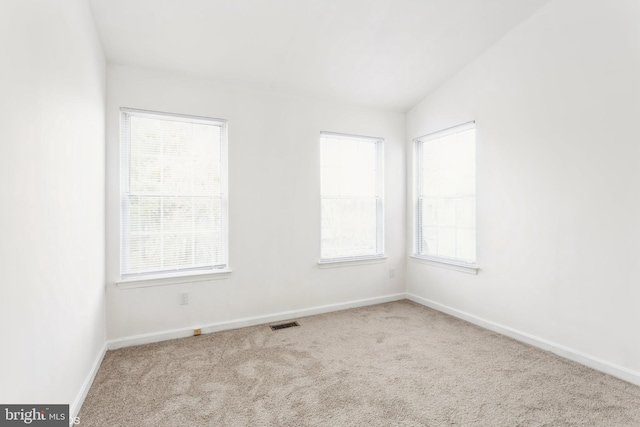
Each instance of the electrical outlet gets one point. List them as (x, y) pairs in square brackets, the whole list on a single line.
[(392, 273), (184, 298)]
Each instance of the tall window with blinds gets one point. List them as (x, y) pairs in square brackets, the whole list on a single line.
[(352, 206), (173, 194), (445, 200)]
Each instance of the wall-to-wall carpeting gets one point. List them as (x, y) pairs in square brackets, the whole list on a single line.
[(394, 364)]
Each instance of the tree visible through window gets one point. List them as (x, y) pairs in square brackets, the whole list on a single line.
[(351, 197), (173, 198)]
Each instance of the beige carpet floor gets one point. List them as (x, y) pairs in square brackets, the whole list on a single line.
[(394, 364)]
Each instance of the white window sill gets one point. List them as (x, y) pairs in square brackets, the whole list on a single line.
[(173, 279), (445, 264), (350, 262)]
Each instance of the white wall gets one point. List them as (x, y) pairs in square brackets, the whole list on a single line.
[(557, 103), (52, 308), (274, 205)]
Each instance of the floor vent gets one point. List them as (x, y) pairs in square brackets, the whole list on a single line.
[(284, 326)]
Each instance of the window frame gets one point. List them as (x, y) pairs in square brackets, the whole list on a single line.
[(418, 255), (379, 256), (192, 274)]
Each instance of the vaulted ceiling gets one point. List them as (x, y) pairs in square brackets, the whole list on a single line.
[(384, 54)]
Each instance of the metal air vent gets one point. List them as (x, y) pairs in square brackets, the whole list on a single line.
[(284, 326)]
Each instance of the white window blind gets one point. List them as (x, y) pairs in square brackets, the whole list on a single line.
[(445, 185), (351, 176), (173, 193)]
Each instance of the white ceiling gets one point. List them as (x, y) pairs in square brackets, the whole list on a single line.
[(379, 53)]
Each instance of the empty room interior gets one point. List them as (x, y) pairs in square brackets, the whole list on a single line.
[(433, 201)]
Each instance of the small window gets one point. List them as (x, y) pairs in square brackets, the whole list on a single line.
[(445, 196), (351, 169), (173, 194)]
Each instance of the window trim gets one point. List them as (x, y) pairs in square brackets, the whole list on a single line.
[(172, 279), (447, 263), (213, 272), (380, 256), (417, 256), (354, 261)]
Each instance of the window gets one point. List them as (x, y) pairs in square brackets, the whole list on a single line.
[(445, 201), (173, 194), (351, 181)]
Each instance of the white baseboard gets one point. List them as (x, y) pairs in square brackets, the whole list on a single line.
[(74, 409), (566, 352), (247, 321)]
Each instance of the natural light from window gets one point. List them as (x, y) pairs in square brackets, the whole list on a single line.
[(446, 196), (351, 197), (173, 195)]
